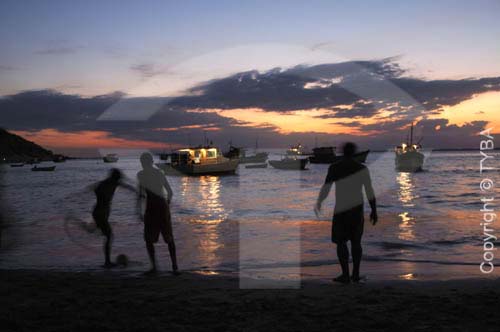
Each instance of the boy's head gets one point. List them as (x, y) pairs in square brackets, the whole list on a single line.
[(146, 160), (115, 174), (349, 149)]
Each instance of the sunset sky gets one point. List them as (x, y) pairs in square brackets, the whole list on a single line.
[(76, 76)]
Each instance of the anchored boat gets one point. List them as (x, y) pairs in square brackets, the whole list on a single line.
[(408, 156), (240, 154), (202, 160), (327, 155), (43, 169), (288, 163), (110, 158)]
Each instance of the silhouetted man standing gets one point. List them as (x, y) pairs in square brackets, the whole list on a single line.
[(157, 218), (350, 177)]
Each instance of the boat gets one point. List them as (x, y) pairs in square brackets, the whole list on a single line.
[(256, 166), (327, 155), (408, 156), (164, 156), (290, 163), (58, 158), (17, 165), (240, 154), (201, 160), (43, 169), (296, 150), (110, 158)]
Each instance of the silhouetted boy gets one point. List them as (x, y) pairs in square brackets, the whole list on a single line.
[(348, 220), (104, 192), (157, 218)]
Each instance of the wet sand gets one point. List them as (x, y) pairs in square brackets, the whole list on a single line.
[(115, 301)]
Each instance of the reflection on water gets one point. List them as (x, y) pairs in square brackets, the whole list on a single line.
[(406, 227), (406, 193), (203, 195), (409, 276), (407, 196)]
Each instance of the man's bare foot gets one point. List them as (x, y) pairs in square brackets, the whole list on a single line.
[(176, 272), (151, 272), (109, 265), (358, 279), (342, 279)]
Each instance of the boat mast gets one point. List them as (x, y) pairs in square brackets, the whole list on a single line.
[(411, 135)]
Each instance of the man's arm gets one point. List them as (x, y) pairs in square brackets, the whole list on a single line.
[(370, 195), (325, 190), (129, 187), (166, 185), (140, 196)]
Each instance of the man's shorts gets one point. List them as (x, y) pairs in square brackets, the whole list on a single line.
[(348, 226), (157, 220)]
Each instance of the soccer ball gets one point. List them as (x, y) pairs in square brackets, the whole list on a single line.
[(122, 260)]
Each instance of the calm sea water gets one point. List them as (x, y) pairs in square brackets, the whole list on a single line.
[(259, 222)]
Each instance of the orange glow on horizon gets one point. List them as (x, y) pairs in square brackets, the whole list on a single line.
[(52, 138), (301, 121), (481, 107)]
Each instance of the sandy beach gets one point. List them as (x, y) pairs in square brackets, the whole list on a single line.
[(115, 301)]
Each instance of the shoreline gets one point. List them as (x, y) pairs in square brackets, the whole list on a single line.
[(68, 301)]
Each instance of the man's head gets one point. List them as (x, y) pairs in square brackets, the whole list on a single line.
[(115, 174), (349, 149), (146, 160)]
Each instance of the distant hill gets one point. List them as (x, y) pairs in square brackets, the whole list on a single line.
[(14, 148)]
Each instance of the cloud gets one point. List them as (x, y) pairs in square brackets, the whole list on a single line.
[(358, 83), (59, 47), (372, 101), (147, 70)]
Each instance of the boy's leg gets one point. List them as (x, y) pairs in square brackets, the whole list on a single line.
[(343, 256), (357, 253), (173, 255), (169, 239), (357, 250), (107, 232), (151, 253)]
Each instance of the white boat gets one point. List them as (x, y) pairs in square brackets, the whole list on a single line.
[(110, 158), (205, 160), (290, 163), (408, 156)]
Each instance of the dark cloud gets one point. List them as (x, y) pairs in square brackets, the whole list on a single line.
[(351, 90), (357, 83), (146, 70), (359, 109)]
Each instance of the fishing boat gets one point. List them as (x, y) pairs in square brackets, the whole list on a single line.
[(110, 158), (327, 155), (43, 169), (17, 165), (240, 154), (290, 163), (256, 166), (408, 156), (202, 160), (296, 150), (58, 158)]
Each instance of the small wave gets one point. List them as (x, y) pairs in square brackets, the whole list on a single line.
[(398, 245)]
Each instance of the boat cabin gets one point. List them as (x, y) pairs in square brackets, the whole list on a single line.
[(198, 155)]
